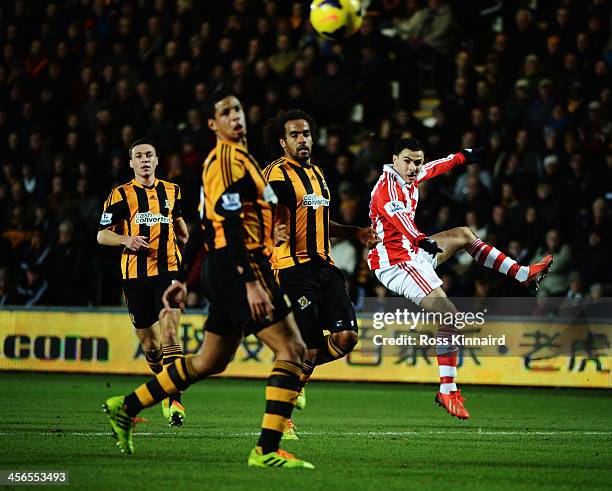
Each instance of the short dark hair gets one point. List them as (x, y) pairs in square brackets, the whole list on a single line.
[(216, 96), (409, 143), (275, 128), (141, 141)]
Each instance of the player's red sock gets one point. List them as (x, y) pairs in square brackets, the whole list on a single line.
[(447, 367), (492, 258), (447, 359)]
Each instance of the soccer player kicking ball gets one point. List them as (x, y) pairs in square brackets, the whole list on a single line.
[(237, 231), (406, 259), (302, 263), (144, 216)]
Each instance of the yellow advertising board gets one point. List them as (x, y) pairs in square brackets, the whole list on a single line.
[(534, 354)]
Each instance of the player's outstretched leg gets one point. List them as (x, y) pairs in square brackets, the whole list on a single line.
[(281, 392), (214, 357), (490, 257), (448, 396)]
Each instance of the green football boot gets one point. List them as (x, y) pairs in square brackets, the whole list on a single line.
[(122, 424), (177, 414), (280, 458)]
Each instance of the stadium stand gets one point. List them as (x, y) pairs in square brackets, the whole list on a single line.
[(79, 80)]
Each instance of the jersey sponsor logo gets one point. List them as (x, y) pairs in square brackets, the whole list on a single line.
[(393, 207), (314, 201), (231, 201), (269, 195), (106, 219), (150, 219)]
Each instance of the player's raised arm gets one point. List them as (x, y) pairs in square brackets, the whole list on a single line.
[(437, 167), (366, 235)]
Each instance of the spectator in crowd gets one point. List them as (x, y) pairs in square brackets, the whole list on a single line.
[(557, 281)]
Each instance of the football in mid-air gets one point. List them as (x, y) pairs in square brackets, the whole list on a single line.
[(335, 19)]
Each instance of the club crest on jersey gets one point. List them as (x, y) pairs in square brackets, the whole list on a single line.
[(304, 302), (314, 201), (106, 219), (393, 207), (169, 204), (149, 219)]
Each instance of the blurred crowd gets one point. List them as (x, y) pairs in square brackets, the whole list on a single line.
[(528, 80)]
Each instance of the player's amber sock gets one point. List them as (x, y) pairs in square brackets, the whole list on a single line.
[(447, 360), (307, 369), (173, 379), (281, 392), (171, 353), (492, 258), (155, 360)]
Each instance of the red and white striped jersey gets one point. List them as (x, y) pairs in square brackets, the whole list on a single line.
[(392, 208)]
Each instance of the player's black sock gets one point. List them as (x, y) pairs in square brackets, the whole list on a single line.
[(173, 379), (281, 392), (171, 353), (154, 360)]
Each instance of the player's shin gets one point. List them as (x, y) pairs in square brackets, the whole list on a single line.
[(492, 258), (447, 359), (281, 392), (172, 353), (173, 379)]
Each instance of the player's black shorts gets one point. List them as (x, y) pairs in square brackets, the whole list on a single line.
[(320, 300), (144, 298), (229, 310)]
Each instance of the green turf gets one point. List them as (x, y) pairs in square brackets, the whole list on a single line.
[(516, 439)]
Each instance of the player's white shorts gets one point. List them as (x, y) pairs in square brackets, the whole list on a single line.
[(413, 279)]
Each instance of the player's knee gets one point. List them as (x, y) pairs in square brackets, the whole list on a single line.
[(150, 344), (466, 234), (217, 368), (294, 351), (298, 350), (206, 368), (347, 340)]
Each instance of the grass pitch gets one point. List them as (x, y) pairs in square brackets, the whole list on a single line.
[(359, 436)]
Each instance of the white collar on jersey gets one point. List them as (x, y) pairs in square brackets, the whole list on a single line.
[(388, 168)]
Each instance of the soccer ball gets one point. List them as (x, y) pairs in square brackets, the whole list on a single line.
[(335, 19)]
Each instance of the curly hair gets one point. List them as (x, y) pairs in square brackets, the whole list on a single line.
[(275, 128)]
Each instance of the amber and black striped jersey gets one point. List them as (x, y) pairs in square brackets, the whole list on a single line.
[(233, 186), (149, 211), (302, 190)]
